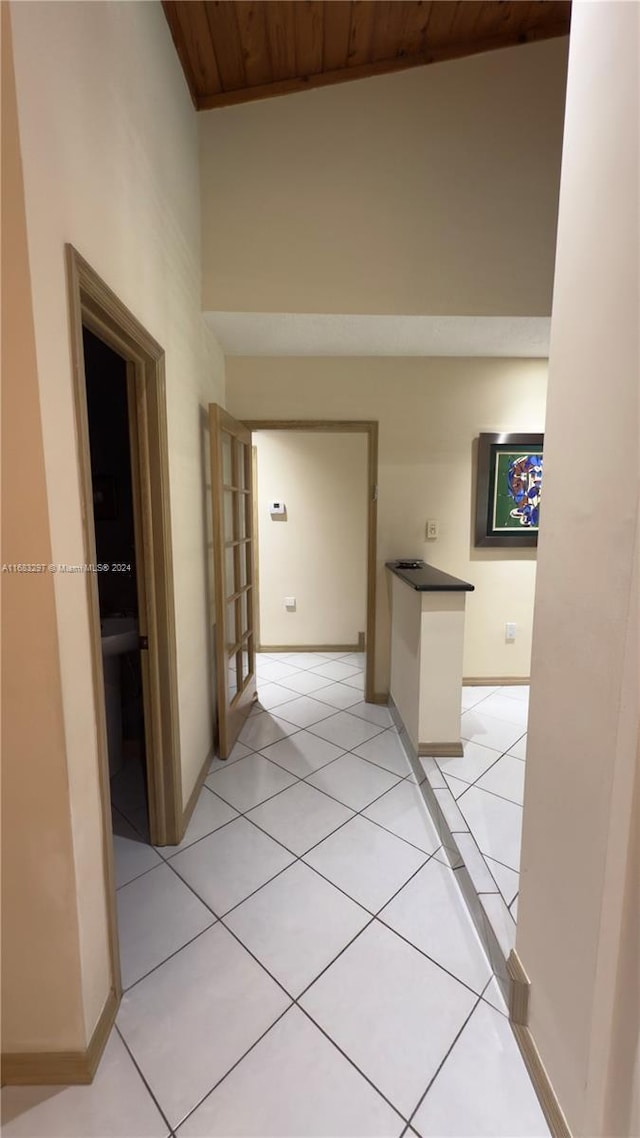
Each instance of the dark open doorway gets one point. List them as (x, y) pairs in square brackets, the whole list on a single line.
[(110, 441)]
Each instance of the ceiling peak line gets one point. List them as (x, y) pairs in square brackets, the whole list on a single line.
[(237, 51)]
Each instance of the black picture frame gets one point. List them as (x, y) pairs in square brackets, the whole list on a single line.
[(488, 533)]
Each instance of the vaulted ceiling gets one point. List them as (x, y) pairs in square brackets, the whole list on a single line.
[(234, 51)]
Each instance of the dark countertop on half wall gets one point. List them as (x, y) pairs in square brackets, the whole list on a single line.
[(426, 579)]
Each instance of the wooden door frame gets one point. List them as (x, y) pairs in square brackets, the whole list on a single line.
[(232, 713), (354, 427), (93, 305)]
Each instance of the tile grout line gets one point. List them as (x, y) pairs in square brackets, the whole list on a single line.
[(499, 755), (305, 779), (214, 922), (119, 810), (300, 779), (484, 857), (355, 814), (329, 762), (245, 813), (314, 693), (481, 999), (165, 859), (300, 857), (293, 1003), (375, 916), (443, 1061), (138, 1069), (470, 832), (337, 711), (313, 696), (501, 797), (345, 751), (499, 688), (309, 671), (295, 999), (487, 921), (296, 779), (482, 854), (475, 786), (351, 1061), (296, 858), (488, 867), (234, 1065)]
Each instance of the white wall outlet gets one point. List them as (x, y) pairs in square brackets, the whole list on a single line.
[(432, 529), (290, 603), (510, 630)]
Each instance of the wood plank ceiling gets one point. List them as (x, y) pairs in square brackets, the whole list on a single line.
[(233, 51)]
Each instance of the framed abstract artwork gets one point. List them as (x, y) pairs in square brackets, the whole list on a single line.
[(508, 490)]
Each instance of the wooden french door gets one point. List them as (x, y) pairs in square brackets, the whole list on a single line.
[(233, 559)]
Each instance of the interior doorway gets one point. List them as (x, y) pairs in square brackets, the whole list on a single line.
[(311, 510), (361, 639), (121, 431), (117, 567), (233, 474)]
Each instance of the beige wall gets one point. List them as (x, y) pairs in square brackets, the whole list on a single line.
[(41, 990), (430, 191), (318, 553), (442, 624), (110, 154), (578, 908), (430, 411), (622, 1101), (404, 669)]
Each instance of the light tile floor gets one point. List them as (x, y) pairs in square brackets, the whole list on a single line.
[(303, 963), (488, 782)]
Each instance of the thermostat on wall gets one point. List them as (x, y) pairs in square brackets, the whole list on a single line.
[(277, 509)]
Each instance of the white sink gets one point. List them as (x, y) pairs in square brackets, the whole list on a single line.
[(119, 634)]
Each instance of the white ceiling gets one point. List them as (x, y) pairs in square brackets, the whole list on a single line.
[(309, 334)]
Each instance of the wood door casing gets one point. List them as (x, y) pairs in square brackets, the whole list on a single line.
[(234, 573)]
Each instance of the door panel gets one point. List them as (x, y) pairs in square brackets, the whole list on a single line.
[(233, 556)]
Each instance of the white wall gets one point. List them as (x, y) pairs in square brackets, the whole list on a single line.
[(318, 552), (42, 1005), (406, 644), (579, 910), (429, 191), (110, 155), (429, 411)]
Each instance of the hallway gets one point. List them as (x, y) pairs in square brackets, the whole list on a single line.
[(303, 964)]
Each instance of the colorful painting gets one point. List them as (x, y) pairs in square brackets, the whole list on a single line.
[(516, 492), (509, 489)]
